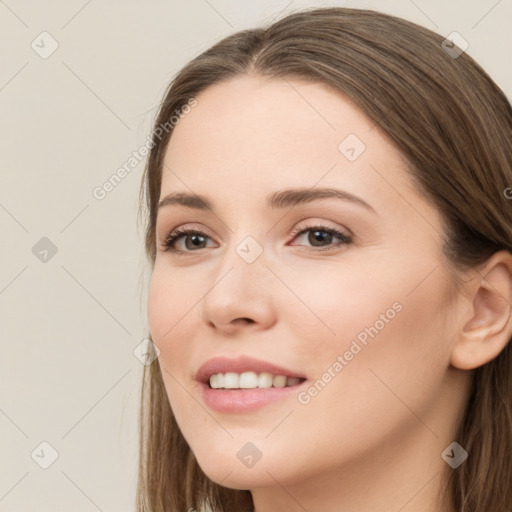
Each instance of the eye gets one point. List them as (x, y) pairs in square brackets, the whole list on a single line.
[(321, 237), (194, 239)]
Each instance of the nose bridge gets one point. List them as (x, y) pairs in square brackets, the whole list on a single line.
[(239, 289), (245, 262)]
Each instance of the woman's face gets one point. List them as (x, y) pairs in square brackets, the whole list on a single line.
[(360, 315)]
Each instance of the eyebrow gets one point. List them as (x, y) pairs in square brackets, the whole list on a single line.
[(276, 200)]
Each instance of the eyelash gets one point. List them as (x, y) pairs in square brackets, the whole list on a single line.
[(175, 235)]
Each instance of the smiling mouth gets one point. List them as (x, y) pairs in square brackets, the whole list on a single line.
[(251, 380)]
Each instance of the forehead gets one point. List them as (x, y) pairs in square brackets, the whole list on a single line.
[(266, 127), (251, 109)]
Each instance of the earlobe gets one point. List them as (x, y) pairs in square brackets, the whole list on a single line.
[(489, 329)]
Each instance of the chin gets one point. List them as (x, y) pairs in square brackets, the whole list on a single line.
[(229, 472)]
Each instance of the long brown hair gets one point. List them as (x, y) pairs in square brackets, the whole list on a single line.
[(452, 123)]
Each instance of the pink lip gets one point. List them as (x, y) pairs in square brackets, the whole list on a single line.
[(239, 365), (242, 400)]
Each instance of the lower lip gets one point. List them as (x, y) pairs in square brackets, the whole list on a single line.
[(243, 400)]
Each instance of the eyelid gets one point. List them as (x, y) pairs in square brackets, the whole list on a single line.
[(184, 227), (311, 223)]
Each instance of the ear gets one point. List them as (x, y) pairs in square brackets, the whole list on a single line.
[(489, 328)]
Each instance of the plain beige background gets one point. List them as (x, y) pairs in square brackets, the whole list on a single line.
[(70, 321)]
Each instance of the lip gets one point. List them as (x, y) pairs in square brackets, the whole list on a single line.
[(242, 400), (239, 365)]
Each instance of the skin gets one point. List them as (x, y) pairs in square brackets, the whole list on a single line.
[(372, 438)]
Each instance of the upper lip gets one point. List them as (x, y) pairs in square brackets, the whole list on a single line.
[(239, 365)]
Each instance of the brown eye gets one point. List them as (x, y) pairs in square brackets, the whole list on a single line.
[(322, 237), (194, 239)]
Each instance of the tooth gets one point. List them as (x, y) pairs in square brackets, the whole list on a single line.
[(265, 380), (251, 380), (231, 380), (248, 380), (217, 380), (292, 381), (279, 381)]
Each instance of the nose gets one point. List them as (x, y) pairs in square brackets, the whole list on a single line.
[(240, 296)]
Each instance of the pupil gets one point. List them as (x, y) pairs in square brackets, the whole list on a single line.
[(319, 236), (197, 239)]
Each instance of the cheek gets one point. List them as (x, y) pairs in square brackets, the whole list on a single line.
[(169, 304), (161, 310), (170, 312), (174, 318), (328, 304), (390, 319), (160, 299)]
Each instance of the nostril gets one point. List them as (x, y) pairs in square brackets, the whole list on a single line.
[(245, 320)]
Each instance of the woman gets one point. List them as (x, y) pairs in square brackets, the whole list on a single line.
[(330, 236)]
